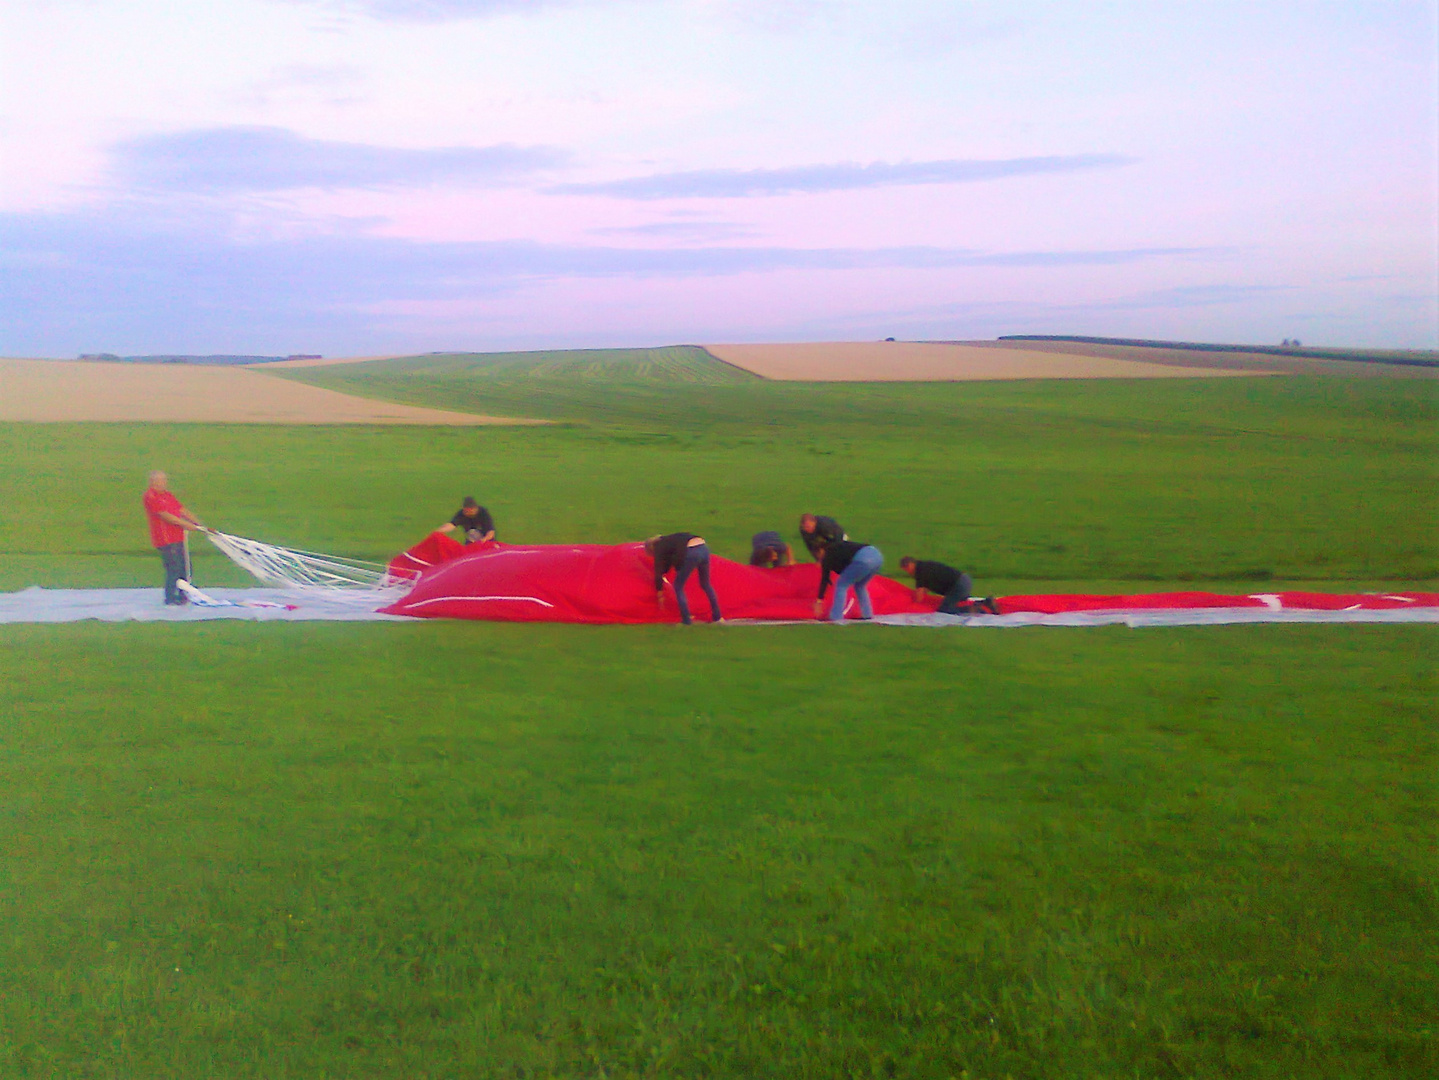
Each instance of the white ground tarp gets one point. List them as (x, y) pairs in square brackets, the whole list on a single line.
[(36, 605)]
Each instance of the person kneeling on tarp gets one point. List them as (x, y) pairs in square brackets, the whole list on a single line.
[(684, 553), (950, 585), (855, 564), (768, 550), (474, 522)]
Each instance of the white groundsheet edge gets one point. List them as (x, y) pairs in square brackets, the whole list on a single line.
[(39, 605)]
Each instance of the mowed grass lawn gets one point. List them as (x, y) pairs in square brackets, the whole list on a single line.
[(465, 849)]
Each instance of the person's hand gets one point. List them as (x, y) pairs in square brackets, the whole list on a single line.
[(660, 599), (819, 609), (918, 596)]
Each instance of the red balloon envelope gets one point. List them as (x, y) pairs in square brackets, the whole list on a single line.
[(594, 583), (431, 551)]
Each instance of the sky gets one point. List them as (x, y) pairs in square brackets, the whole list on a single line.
[(355, 177)]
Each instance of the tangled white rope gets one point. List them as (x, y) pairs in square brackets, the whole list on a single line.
[(291, 568)]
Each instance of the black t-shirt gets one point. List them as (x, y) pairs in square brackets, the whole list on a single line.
[(837, 557), (481, 521), (826, 531), (669, 554), (935, 576)]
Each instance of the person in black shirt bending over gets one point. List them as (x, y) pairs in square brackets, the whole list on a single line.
[(474, 522), (951, 585), (684, 553), (855, 564), (817, 530)]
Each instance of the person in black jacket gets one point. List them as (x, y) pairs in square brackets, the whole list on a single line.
[(684, 553), (816, 531), (951, 585), (855, 564)]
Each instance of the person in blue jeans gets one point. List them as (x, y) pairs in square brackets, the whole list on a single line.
[(854, 564), (950, 585), (684, 553)]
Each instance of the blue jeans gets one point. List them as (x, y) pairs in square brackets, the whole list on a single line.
[(957, 596), (177, 567), (867, 561), (696, 558)]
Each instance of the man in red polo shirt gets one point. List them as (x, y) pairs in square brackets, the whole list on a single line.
[(169, 521)]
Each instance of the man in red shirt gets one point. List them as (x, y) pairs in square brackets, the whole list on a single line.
[(169, 521)]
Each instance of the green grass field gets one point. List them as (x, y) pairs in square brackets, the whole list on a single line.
[(466, 849)]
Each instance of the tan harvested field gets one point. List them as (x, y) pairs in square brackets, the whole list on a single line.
[(1253, 363), (60, 391), (909, 361)]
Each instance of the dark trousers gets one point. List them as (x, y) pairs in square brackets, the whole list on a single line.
[(177, 568), (957, 597), (696, 558)]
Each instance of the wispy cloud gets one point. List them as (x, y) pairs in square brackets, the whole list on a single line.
[(434, 10), (1172, 313), (780, 16), (231, 160), (1187, 296), (334, 84), (1179, 298), (692, 232), (150, 240), (138, 278), (845, 176)]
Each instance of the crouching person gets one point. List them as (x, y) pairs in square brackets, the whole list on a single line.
[(854, 564), (952, 586), (768, 550), (474, 521), (684, 553)]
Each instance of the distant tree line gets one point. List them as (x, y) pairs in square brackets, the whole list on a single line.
[(220, 358)]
